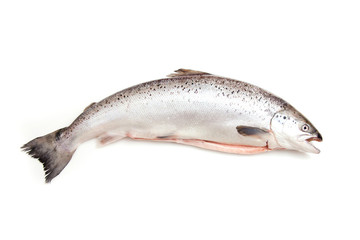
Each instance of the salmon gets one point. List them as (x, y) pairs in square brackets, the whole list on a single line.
[(188, 107)]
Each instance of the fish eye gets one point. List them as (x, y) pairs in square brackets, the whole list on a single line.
[(305, 128)]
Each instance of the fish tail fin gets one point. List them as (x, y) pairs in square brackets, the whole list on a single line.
[(51, 151)]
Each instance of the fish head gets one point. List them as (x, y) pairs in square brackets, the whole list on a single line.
[(293, 131)]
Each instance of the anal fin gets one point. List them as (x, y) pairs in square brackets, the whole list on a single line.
[(108, 138)]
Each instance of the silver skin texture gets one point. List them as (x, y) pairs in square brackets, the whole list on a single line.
[(189, 107), (195, 105)]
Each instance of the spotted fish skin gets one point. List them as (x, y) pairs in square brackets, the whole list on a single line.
[(198, 106), (188, 107)]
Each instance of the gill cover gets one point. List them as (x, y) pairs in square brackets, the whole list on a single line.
[(287, 127)]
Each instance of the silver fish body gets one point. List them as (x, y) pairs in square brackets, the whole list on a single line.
[(189, 107)]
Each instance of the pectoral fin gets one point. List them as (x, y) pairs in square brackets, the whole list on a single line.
[(250, 131)]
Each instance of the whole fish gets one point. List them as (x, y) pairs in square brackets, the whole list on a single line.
[(188, 107)]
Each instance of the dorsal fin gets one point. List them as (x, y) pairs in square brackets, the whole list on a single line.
[(186, 72), (91, 104)]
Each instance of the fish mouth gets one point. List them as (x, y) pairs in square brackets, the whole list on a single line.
[(309, 138), (317, 139), (310, 141)]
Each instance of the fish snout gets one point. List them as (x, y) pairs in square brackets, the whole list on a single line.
[(319, 137), (316, 137)]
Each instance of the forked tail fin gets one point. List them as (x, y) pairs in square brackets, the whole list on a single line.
[(50, 150)]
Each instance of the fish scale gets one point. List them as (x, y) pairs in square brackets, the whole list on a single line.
[(189, 107)]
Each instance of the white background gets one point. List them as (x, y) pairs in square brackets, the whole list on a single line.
[(59, 56)]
